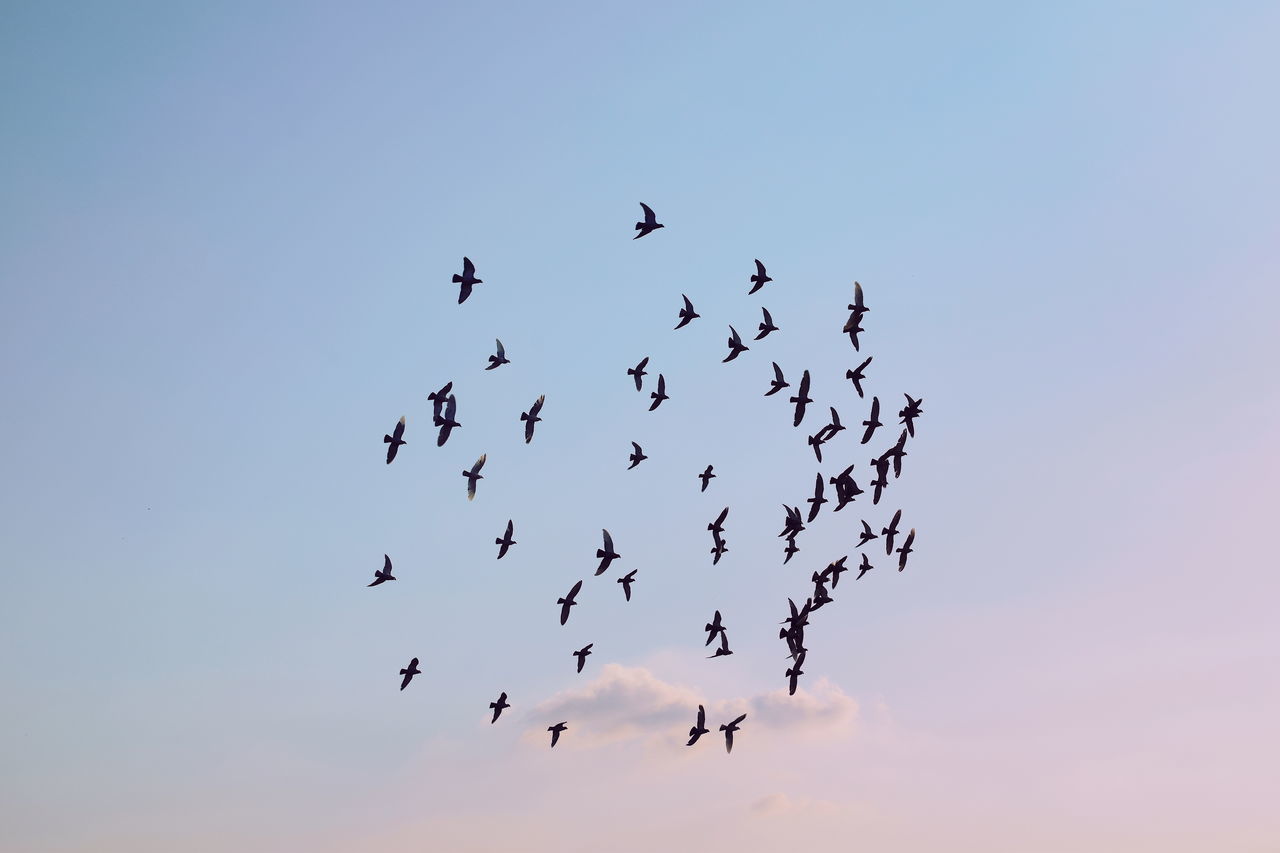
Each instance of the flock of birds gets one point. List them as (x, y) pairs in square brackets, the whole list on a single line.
[(444, 417)]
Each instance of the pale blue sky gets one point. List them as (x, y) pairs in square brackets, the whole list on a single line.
[(226, 239)]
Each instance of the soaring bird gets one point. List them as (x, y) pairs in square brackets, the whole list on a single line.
[(687, 315), (606, 554), (881, 482), (706, 477), (531, 417), (626, 581), (567, 602), (638, 371), (384, 574), (794, 673), (714, 628), (409, 672), (890, 532), (910, 412), (473, 475), (906, 549), (802, 399), (816, 502), (777, 383), (581, 655), (835, 426), (448, 423), (498, 707), (728, 732), (556, 730), (866, 535), (438, 399), (855, 376), (506, 541), (794, 523), (836, 569), (659, 395), (857, 309), (717, 527), (736, 346), (865, 567), (896, 453), (699, 728), (791, 550), (649, 225), (723, 650), (467, 280), (873, 422), (499, 359), (718, 549), (854, 328), (846, 489), (767, 326), (636, 457), (760, 279), (394, 440), (816, 442)]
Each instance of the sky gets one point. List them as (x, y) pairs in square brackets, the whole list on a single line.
[(226, 242)]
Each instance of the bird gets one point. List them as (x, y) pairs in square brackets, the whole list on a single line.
[(638, 371), (582, 653), (890, 532), (854, 327), (736, 346), (438, 399), (713, 628), (649, 225), (873, 421), (846, 489), (817, 500), (866, 535), (706, 477), (835, 426), (910, 412), (394, 440), (728, 732), (790, 550), (659, 395), (855, 376), (637, 457), (384, 574), (865, 567), (606, 554), (836, 569), (794, 523), (448, 423), (777, 383), (802, 399), (717, 527), (567, 602), (767, 326), (816, 442), (723, 651), (498, 707), (687, 315), (556, 730), (473, 475), (699, 728), (858, 308), (626, 581), (467, 280), (896, 453), (794, 673), (881, 482), (409, 672), (906, 549), (499, 359), (718, 550), (531, 417), (506, 541), (759, 280)]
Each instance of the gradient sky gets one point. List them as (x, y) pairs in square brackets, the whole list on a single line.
[(226, 239)]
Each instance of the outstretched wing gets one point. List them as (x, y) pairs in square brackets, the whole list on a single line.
[(468, 268), (502, 353), (608, 540), (648, 214)]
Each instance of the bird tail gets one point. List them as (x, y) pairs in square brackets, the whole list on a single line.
[(386, 439), (457, 279)]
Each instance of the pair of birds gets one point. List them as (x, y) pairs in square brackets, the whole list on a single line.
[(716, 628), (700, 728), (638, 372), (718, 545)]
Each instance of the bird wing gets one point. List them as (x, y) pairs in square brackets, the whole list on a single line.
[(399, 430), (875, 408), (537, 405), (608, 540), (768, 321), (648, 213), (510, 529), (702, 717), (386, 564), (573, 591), (857, 295), (804, 384), (502, 353), (662, 385), (777, 372), (475, 469), (722, 516), (468, 268), (739, 720), (450, 407), (688, 306)]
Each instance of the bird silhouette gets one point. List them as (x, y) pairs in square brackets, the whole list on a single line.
[(449, 422), (567, 602), (767, 326), (409, 672), (736, 346), (506, 541), (857, 309), (794, 673), (706, 477), (606, 554), (687, 315), (394, 440), (906, 549), (699, 728), (582, 653), (531, 417), (637, 457), (638, 371), (846, 488), (791, 550), (836, 569), (473, 476), (854, 328), (890, 532), (498, 707), (384, 574), (855, 376), (910, 412), (717, 527), (896, 453), (728, 732), (759, 280), (865, 567), (467, 280), (723, 651), (438, 399), (816, 442), (815, 502), (881, 482), (499, 359), (649, 225), (556, 730), (835, 426), (873, 422), (659, 395), (718, 549), (777, 383), (866, 535), (714, 628), (626, 581), (802, 399)]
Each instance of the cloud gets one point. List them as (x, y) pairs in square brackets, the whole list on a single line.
[(777, 804)]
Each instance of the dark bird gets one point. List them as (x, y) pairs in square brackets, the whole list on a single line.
[(794, 673), (498, 707), (802, 399), (687, 314), (714, 628), (581, 655), (467, 280), (777, 383), (706, 477), (820, 594), (606, 554), (896, 453), (736, 346), (794, 523), (409, 673), (815, 502), (881, 482), (567, 602), (906, 549), (649, 225), (857, 309), (699, 728), (847, 489), (384, 574), (531, 417), (394, 440), (798, 618), (728, 732), (759, 280), (556, 730), (910, 412), (448, 423), (659, 395), (499, 359), (506, 541), (890, 532), (438, 399), (717, 527), (767, 326), (854, 328), (636, 458), (791, 550), (855, 376), (626, 581), (724, 647), (816, 442), (835, 426), (718, 550), (866, 535), (873, 421), (865, 567), (473, 475), (836, 569), (638, 371)]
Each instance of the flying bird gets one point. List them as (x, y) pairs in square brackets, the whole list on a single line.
[(767, 326), (636, 458), (626, 581), (409, 673), (865, 567), (448, 423), (817, 500), (906, 549), (854, 327), (718, 550), (759, 280), (835, 426), (910, 412), (866, 535), (498, 707), (896, 453), (857, 309), (699, 728), (659, 395), (473, 475), (794, 523), (706, 477), (777, 383), (714, 628), (531, 417), (855, 376), (736, 346), (506, 541), (581, 655), (649, 225), (384, 574), (638, 371), (394, 440), (556, 730), (890, 532), (846, 489), (836, 569), (873, 421), (438, 399), (881, 482), (802, 399), (567, 602), (717, 527), (606, 554), (728, 732), (794, 673), (723, 651), (687, 314), (467, 280), (499, 359), (791, 550), (816, 442)]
